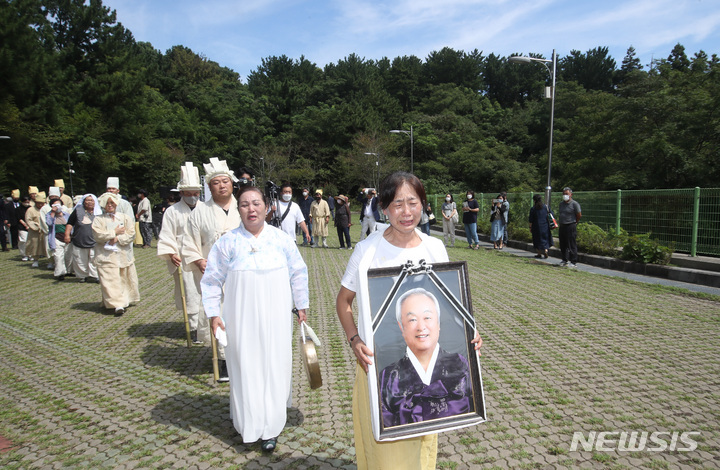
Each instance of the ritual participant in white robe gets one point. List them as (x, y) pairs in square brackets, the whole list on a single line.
[(114, 234), (262, 273), (170, 240), (402, 199), (207, 223), (79, 231), (124, 206), (35, 248), (320, 217)]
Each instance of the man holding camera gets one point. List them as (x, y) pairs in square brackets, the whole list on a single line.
[(289, 213), (369, 213)]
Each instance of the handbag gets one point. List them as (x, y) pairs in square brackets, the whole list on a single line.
[(431, 216), (551, 220)]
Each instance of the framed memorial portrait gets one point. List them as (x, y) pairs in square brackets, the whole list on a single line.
[(426, 375)]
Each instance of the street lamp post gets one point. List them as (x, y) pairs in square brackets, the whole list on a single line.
[(71, 171), (553, 73), (412, 145), (262, 159), (377, 168)]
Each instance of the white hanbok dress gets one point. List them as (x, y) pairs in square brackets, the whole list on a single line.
[(261, 277)]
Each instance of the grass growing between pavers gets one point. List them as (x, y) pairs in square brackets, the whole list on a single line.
[(564, 351)]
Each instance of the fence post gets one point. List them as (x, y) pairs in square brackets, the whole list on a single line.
[(695, 222), (618, 211)]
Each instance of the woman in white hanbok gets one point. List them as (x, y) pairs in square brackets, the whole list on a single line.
[(261, 272)]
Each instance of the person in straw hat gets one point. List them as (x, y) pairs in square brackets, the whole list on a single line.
[(170, 240), (320, 216), (114, 233), (35, 248), (208, 222), (66, 200)]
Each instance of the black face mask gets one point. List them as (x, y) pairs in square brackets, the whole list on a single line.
[(317, 198)]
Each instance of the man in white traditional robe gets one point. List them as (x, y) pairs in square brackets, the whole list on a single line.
[(113, 186), (170, 241), (208, 222)]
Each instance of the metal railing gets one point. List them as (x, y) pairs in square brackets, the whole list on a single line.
[(687, 218)]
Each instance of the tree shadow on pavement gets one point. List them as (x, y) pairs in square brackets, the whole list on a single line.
[(209, 413), (92, 307)]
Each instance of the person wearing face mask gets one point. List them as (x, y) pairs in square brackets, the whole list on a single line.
[(62, 253), (320, 217), (290, 213), (172, 231), (568, 217), (79, 231), (343, 221), (450, 218), (305, 202), (209, 221), (470, 213)]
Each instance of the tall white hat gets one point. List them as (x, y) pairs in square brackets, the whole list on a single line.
[(113, 182), (189, 178), (54, 191), (217, 167)]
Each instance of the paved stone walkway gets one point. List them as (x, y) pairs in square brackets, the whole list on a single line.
[(564, 351)]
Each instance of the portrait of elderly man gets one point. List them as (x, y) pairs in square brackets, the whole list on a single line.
[(428, 382)]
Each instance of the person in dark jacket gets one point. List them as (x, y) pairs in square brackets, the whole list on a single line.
[(539, 227), (343, 221), (305, 202)]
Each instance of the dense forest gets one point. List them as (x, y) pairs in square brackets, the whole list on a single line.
[(75, 84)]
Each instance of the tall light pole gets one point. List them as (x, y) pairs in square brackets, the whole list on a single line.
[(553, 73), (412, 145), (71, 171), (377, 168), (262, 159)]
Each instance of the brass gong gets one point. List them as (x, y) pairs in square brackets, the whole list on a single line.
[(310, 360)]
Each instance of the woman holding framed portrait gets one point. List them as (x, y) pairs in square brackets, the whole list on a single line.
[(402, 199)]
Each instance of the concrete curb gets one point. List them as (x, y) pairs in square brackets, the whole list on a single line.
[(690, 272)]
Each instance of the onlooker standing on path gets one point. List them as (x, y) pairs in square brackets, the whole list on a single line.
[(4, 225), (470, 213), (170, 242), (320, 216), (144, 216), (506, 216), (539, 227), (497, 222), (343, 221), (331, 205), (568, 216), (305, 202), (425, 219), (369, 213), (11, 214), (450, 218), (79, 230), (290, 214)]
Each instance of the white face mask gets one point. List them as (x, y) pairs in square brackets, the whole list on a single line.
[(448, 199), (191, 200), (287, 197), (566, 197), (305, 193), (469, 196)]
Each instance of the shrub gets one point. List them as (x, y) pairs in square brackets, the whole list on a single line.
[(643, 249), (596, 241)]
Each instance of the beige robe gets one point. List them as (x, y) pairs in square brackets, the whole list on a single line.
[(36, 239), (207, 223), (319, 211), (170, 241), (116, 269)]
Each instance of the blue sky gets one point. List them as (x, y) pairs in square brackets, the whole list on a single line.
[(238, 34)]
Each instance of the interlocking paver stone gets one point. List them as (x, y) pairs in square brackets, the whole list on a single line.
[(564, 352)]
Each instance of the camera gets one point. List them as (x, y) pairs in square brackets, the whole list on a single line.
[(497, 201), (271, 190)]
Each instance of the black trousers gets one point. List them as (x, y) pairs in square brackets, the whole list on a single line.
[(568, 242)]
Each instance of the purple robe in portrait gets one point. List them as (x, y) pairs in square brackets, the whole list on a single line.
[(406, 399)]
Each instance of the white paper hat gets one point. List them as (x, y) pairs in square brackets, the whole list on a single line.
[(217, 167), (113, 182), (54, 191), (189, 178)]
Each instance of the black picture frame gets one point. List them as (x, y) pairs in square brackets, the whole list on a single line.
[(448, 282)]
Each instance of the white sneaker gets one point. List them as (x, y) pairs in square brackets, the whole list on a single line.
[(572, 265), (35, 265), (25, 258)]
